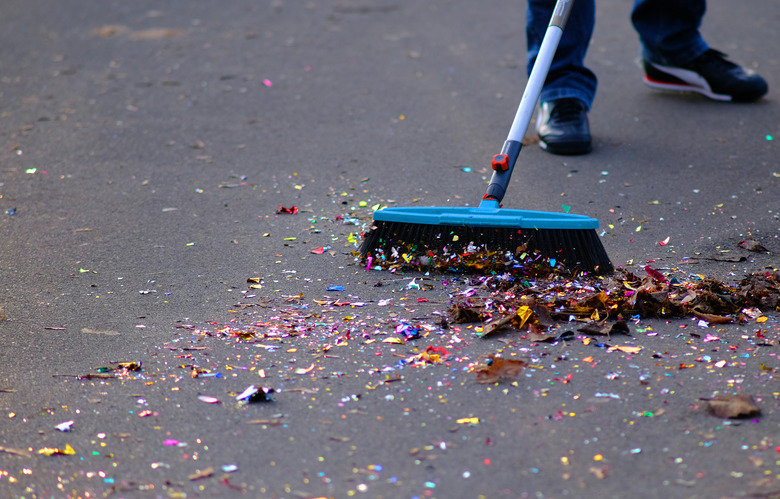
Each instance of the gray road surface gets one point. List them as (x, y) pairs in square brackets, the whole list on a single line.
[(145, 148)]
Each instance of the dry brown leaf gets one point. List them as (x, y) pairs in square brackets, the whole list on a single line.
[(538, 334), (499, 369), (460, 314), (492, 327), (204, 473), (156, 33), (109, 31), (752, 245), (269, 422), (740, 405), (518, 319), (712, 318), (15, 452), (539, 337), (625, 349)]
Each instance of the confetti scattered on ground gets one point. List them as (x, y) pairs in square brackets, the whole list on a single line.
[(245, 351)]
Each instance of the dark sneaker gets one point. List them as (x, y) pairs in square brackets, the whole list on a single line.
[(709, 74), (563, 127)]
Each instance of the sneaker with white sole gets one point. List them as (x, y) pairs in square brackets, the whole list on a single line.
[(710, 74)]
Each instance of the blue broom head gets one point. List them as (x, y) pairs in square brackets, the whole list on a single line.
[(485, 217), (485, 238)]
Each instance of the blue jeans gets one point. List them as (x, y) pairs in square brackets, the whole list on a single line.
[(668, 31)]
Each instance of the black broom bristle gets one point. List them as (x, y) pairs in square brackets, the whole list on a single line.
[(576, 249)]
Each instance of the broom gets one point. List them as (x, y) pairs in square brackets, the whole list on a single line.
[(429, 232)]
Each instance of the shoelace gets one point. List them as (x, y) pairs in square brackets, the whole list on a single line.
[(714, 59), (566, 110)]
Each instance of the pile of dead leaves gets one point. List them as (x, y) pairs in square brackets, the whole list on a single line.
[(539, 304)]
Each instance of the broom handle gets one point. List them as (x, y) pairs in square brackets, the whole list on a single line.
[(504, 163)]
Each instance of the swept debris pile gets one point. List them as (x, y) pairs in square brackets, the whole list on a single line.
[(540, 303)]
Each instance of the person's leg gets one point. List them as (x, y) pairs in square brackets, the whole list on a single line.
[(676, 57), (570, 87), (568, 76), (669, 30)]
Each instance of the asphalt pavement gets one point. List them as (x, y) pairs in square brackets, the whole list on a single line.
[(183, 185)]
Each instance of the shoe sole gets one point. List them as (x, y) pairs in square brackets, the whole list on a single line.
[(685, 81), (567, 149)]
